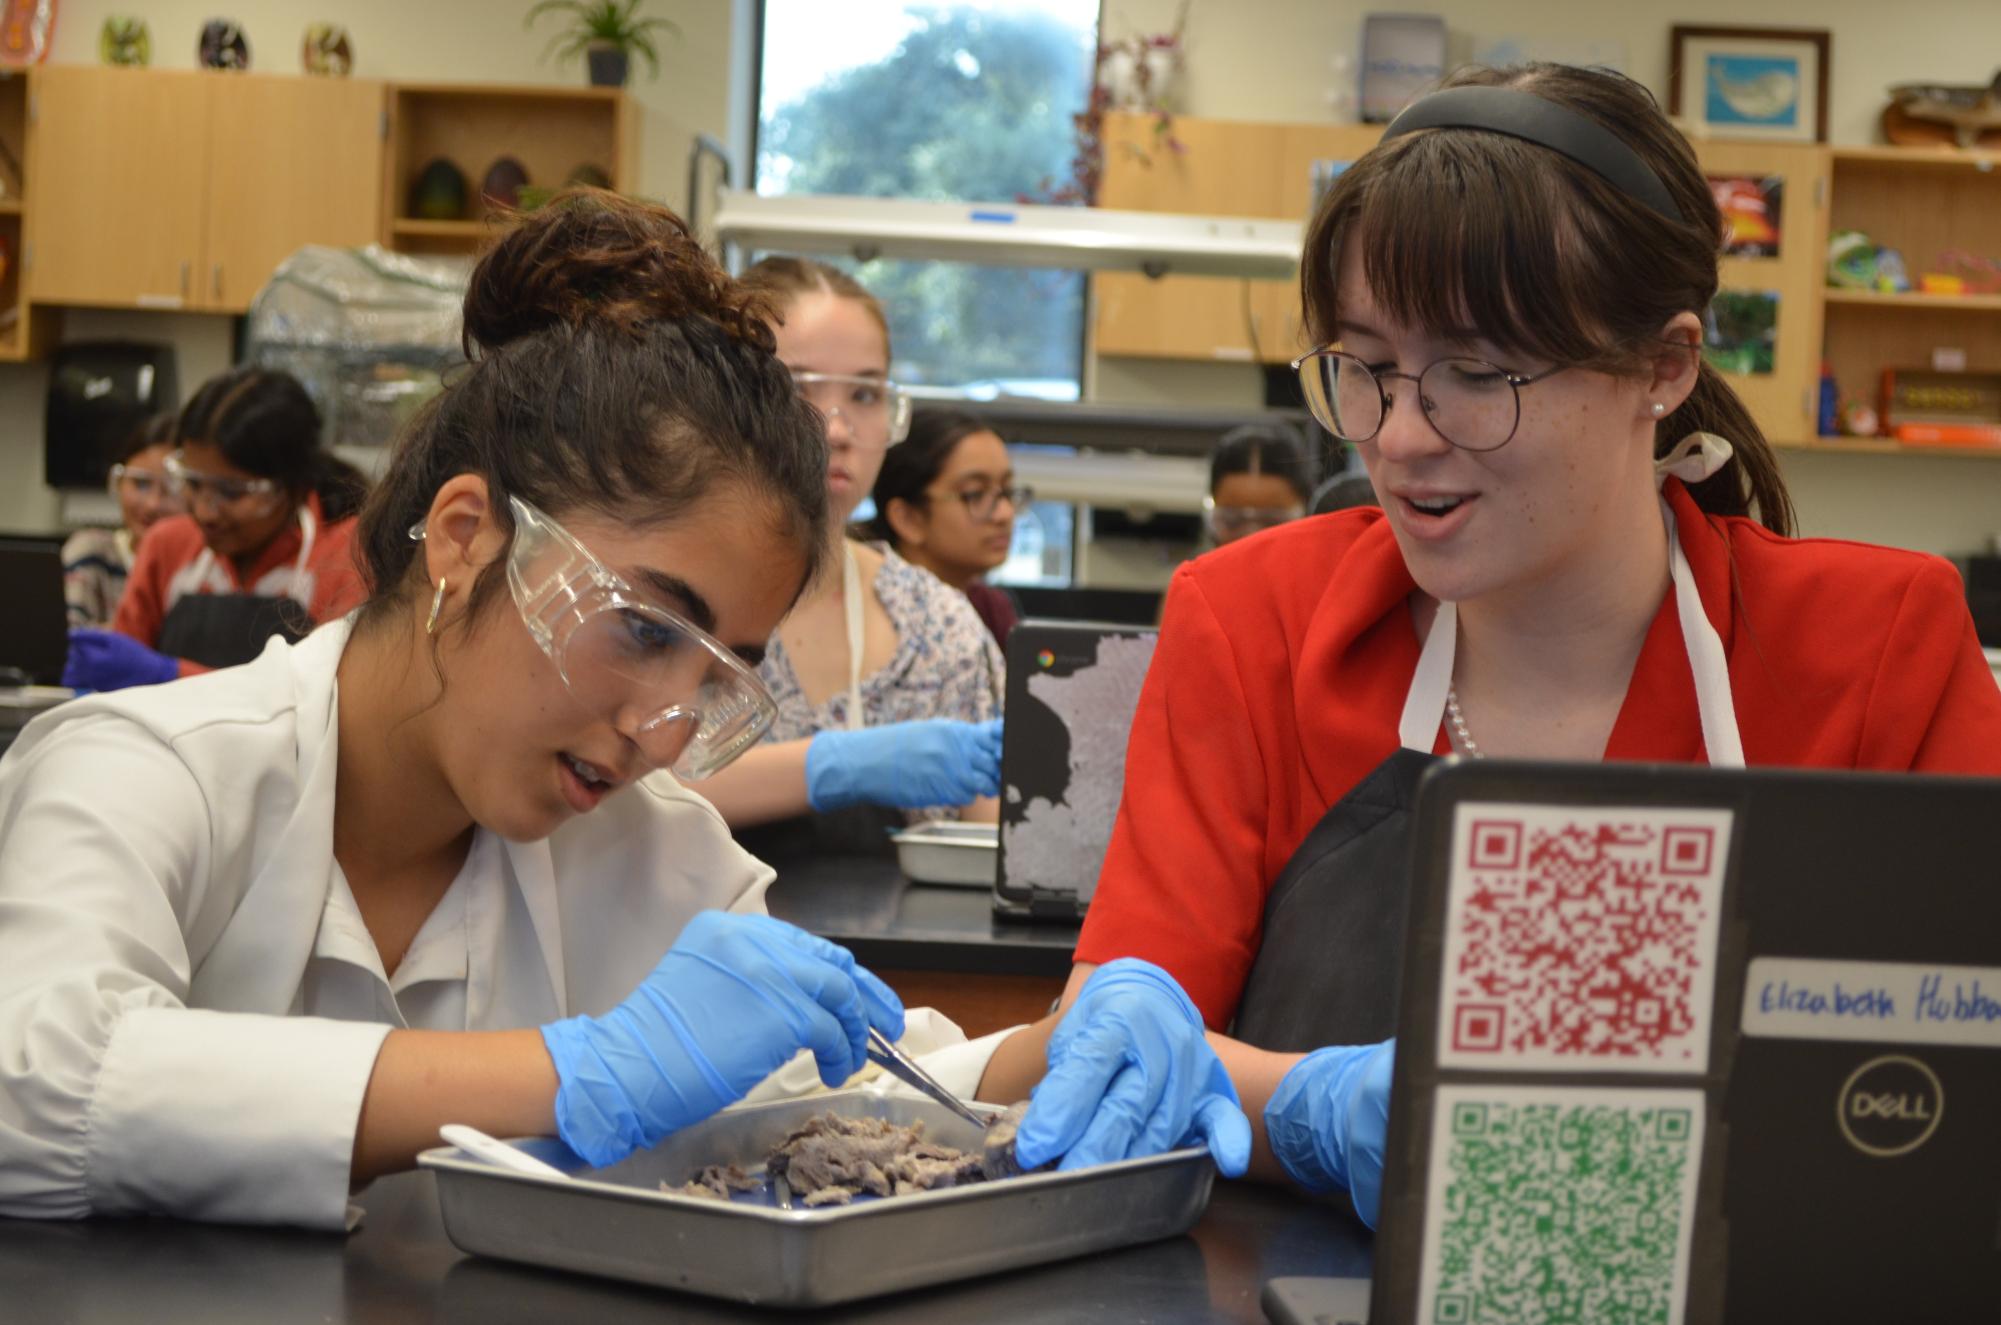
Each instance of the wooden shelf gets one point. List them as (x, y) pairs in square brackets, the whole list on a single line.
[(1949, 158), (412, 228), (1972, 303), (1886, 446)]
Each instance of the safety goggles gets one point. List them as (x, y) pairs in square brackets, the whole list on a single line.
[(681, 696), (1228, 523), (124, 481), (876, 410), (254, 495)]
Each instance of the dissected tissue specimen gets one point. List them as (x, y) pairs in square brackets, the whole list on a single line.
[(833, 1159), (716, 1182)]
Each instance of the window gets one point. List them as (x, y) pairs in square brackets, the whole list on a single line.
[(963, 100)]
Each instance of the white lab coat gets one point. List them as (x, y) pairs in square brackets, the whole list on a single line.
[(190, 1005)]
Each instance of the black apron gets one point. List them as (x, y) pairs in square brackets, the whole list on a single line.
[(224, 629), (1331, 960)]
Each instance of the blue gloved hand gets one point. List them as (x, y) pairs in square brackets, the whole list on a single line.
[(107, 660), (733, 999), (1329, 1119), (910, 765), (1131, 1074)]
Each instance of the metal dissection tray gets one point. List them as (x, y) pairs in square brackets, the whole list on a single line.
[(617, 1222), (963, 855)]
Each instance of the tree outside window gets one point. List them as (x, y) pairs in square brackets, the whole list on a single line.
[(967, 102)]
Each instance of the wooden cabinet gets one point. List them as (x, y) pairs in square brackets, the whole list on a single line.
[(294, 161), (169, 189), (1784, 395), (1225, 168)]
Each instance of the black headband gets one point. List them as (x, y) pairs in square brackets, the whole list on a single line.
[(1533, 119)]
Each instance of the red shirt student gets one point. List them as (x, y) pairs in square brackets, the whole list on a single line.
[(1507, 297), (263, 549)]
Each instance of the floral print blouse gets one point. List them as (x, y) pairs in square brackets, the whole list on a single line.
[(946, 664)]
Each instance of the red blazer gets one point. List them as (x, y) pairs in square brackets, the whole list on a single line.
[(1285, 660)]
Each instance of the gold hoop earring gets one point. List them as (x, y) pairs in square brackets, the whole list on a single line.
[(437, 601)]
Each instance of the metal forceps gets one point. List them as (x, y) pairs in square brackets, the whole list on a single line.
[(900, 1065)]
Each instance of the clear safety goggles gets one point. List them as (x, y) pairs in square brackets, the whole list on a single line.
[(126, 481), (1229, 523), (876, 410), (189, 486), (673, 689)]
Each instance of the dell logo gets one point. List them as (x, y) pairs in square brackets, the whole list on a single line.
[(1890, 1106)]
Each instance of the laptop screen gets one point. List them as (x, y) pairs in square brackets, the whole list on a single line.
[(1071, 691), (36, 638)]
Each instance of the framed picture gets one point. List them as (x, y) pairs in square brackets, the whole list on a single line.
[(1752, 208), (1769, 83)]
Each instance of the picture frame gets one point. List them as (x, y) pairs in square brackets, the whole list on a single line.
[(1755, 83)]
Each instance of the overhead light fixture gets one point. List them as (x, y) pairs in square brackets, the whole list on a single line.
[(1009, 234)]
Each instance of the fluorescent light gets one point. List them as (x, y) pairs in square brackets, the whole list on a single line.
[(1009, 234)]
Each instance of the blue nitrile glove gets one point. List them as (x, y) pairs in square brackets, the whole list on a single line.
[(733, 999), (1131, 1074), (934, 761), (1329, 1119), (107, 660)]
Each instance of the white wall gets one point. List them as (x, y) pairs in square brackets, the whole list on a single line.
[(1275, 60), (442, 40)]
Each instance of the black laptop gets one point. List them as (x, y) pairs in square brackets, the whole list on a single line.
[(1685, 1045), (1072, 688), (34, 639)]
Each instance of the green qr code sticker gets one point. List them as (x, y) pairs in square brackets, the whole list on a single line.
[(1560, 1206)]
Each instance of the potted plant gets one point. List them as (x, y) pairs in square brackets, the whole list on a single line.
[(605, 32)]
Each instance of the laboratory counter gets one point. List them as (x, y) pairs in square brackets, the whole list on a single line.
[(400, 1267), (937, 946)]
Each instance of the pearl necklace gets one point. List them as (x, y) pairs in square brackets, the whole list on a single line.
[(1458, 721)]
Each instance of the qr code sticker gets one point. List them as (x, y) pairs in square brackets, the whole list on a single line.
[(1560, 1206), (1582, 937)]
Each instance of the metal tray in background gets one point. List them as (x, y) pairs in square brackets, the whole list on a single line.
[(949, 852), (617, 1222)]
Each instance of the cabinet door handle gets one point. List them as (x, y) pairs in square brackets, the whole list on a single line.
[(187, 271), (215, 281)]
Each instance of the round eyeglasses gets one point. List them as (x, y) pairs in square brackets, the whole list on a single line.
[(982, 503), (876, 410), (1473, 404)]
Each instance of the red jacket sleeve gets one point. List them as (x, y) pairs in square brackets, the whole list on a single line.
[(1934, 706), (1182, 884), (143, 606), (339, 586)]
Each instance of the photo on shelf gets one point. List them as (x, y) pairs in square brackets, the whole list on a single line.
[(1752, 207), (1758, 83), (1740, 331)]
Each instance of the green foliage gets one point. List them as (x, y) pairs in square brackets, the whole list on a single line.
[(601, 20), (972, 107)]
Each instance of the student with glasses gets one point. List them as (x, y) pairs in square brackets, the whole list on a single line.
[(888, 686), (1583, 551), (1259, 477), (946, 500), (263, 931), (97, 562), (262, 551)]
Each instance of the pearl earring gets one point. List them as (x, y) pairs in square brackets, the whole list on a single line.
[(1659, 409), (437, 601)]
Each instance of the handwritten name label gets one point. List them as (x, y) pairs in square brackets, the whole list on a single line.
[(1798, 998)]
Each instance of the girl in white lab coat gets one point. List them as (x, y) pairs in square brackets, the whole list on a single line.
[(263, 931)]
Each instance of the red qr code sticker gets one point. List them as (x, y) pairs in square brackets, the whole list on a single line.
[(1582, 937)]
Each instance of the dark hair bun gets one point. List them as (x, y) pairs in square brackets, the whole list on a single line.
[(589, 257)]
